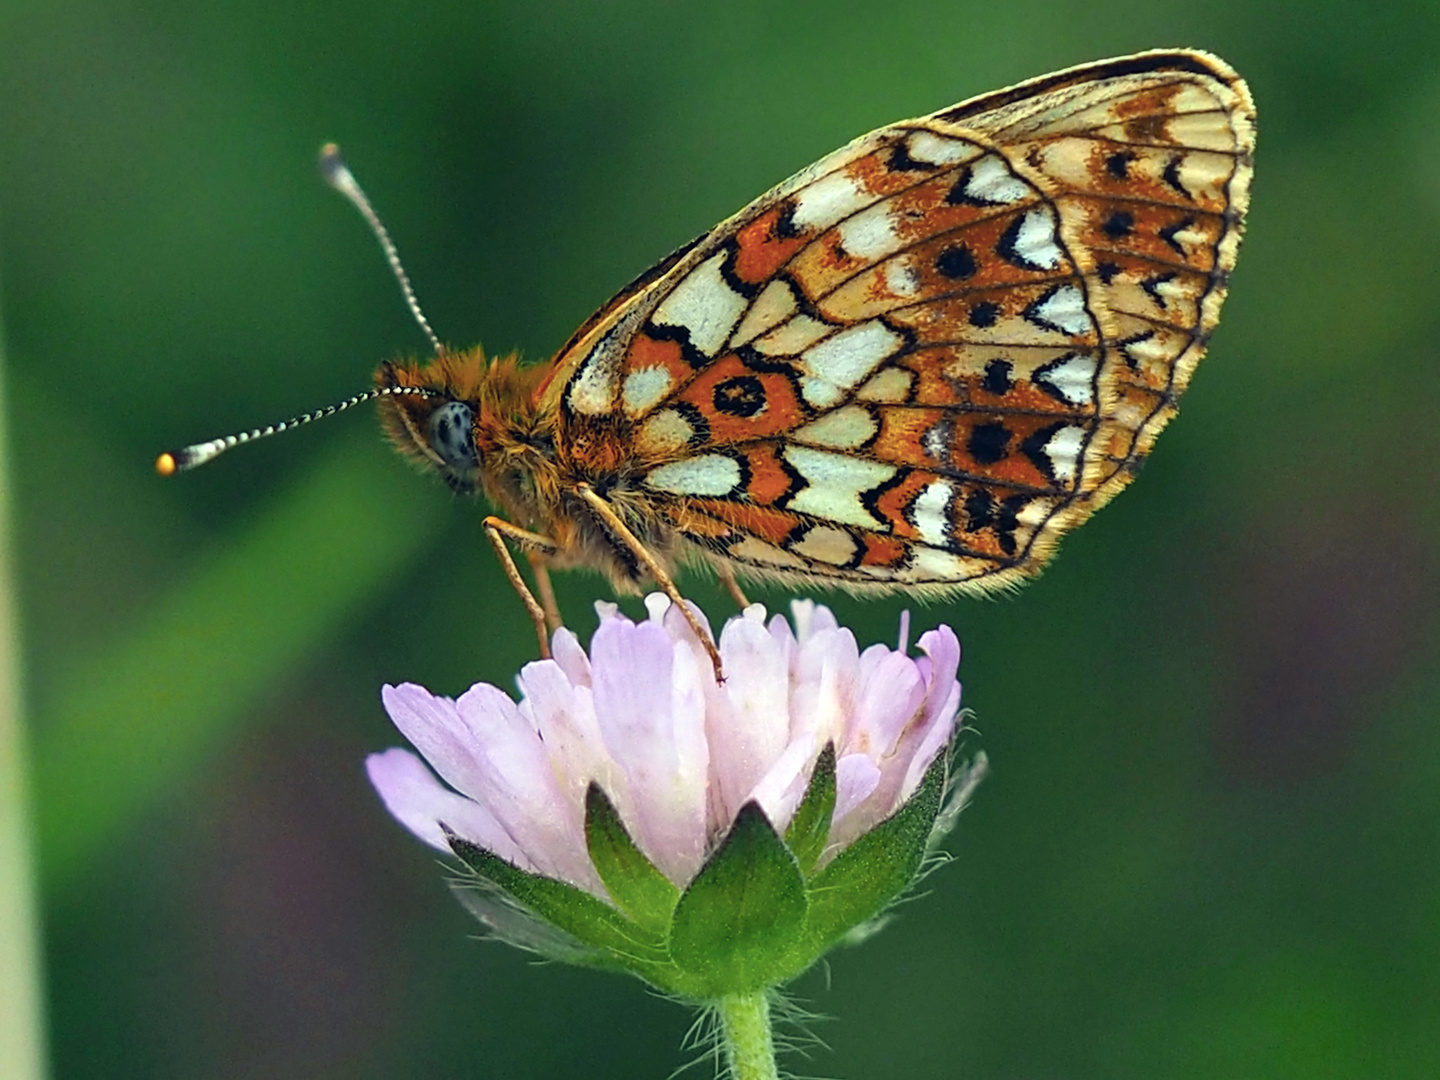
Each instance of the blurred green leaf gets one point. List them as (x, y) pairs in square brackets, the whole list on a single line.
[(135, 721)]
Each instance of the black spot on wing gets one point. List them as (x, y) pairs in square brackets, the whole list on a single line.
[(742, 396), (1124, 346), (1035, 312), (956, 262), (1041, 377), (699, 426), (785, 227), (984, 314), (979, 510), (870, 498), (755, 360), (997, 377), (961, 195), (1007, 520), (988, 443), (745, 288), (1005, 246), (1119, 224)]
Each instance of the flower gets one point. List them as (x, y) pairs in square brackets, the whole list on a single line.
[(634, 765)]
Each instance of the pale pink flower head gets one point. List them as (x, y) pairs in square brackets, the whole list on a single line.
[(678, 754)]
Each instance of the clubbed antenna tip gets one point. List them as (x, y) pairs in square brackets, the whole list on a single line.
[(338, 175), (196, 454)]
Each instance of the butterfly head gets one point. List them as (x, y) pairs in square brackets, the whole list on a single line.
[(466, 418)]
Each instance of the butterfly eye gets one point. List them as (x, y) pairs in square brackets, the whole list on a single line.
[(450, 435)]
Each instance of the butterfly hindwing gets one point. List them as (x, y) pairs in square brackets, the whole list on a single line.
[(922, 359)]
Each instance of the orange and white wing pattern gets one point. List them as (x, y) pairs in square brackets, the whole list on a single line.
[(921, 360)]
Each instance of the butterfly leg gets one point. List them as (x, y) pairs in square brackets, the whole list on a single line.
[(727, 578), (606, 513), (498, 530), (540, 571)]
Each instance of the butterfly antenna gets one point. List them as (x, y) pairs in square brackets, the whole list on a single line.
[(338, 175), (197, 454)]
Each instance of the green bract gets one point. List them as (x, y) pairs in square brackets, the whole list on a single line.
[(757, 914)]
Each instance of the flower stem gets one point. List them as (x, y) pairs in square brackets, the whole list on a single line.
[(745, 1034)]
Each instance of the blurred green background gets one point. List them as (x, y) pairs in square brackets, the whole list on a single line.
[(1210, 845)]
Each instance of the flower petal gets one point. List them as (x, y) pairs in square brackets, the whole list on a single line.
[(780, 790), (563, 716), (856, 777), (520, 788), (942, 704), (942, 647), (433, 726), (677, 752), (903, 766), (931, 740), (570, 655), (650, 707), (752, 729), (676, 624), (824, 685), (811, 618), (418, 801), (888, 696)]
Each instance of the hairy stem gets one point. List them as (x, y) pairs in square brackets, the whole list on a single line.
[(745, 1036)]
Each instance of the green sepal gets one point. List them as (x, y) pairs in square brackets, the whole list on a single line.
[(505, 920), (877, 867), (740, 925), (748, 921), (633, 882), (810, 827), (572, 910)]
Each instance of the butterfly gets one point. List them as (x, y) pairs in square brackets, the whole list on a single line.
[(914, 365)]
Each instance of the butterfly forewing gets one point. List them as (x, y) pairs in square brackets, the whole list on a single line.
[(921, 360)]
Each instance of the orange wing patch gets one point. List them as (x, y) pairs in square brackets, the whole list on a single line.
[(765, 245)]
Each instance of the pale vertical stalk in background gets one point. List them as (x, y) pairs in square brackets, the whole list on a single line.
[(22, 1028)]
